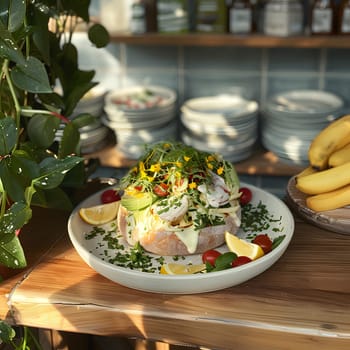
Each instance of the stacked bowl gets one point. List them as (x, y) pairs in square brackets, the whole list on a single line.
[(225, 124), (140, 115), (292, 119)]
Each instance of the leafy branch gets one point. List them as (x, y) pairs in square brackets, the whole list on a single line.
[(37, 56)]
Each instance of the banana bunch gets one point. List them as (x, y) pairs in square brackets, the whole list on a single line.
[(326, 180)]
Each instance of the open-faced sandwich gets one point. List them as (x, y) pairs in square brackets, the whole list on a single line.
[(179, 201)]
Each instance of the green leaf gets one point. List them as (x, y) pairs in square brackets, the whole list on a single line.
[(4, 13), (55, 199), (98, 35), (7, 333), (83, 119), (8, 135), (70, 141), (31, 76), (41, 36), (78, 91), (42, 129), (80, 8), (11, 254), (8, 46), (53, 170), (16, 173), (76, 177), (224, 261), (17, 11), (15, 217)]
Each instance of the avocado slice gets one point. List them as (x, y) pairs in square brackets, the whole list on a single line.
[(138, 201)]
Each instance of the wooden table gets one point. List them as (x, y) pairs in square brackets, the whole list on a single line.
[(301, 302)]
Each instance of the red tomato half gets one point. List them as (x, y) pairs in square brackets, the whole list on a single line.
[(241, 260), (264, 242), (210, 256), (161, 190), (110, 196), (246, 195)]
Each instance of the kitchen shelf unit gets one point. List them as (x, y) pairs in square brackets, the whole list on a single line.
[(257, 41), (263, 162)]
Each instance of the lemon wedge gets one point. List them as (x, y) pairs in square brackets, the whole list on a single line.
[(242, 247), (100, 214), (181, 269)]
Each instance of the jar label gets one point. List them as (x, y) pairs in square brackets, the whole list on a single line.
[(322, 20), (240, 20), (345, 24)]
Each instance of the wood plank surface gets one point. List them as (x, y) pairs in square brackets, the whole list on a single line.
[(218, 39), (304, 299)]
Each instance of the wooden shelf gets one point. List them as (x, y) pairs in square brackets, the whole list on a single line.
[(260, 41), (261, 163)]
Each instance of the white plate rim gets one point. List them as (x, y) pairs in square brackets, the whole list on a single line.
[(183, 284)]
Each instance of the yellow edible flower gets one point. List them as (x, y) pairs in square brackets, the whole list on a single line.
[(142, 170), (155, 168), (210, 166), (187, 158), (220, 170), (210, 158), (192, 185)]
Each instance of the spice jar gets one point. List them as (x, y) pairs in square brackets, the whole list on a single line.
[(322, 17), (283, 18), (240, 17), (344, 17)]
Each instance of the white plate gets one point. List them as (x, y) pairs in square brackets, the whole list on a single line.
[(314, 103), (92, 252)]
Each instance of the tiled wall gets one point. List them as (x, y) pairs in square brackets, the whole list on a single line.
[(258, 73)]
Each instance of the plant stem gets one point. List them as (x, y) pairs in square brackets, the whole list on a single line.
[(30, 112), (5, 69)]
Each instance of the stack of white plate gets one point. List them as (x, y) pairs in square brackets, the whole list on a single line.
[(140, 115), (292, 119), (225, 124)]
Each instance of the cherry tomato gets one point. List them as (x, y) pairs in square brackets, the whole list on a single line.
[(246, 195), (210, 256), (161, 190), (241, 260), (264, 241), (110, 196), (138, 187)]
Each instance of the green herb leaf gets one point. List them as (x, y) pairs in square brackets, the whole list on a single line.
[(42, 129), (31, 76), (277, 241), (16, 14), (11, 253), (8, 135), (53, 170), (7, 333), (98, 35), (224, 261)]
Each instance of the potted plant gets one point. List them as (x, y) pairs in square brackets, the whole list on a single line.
[(36, 56)]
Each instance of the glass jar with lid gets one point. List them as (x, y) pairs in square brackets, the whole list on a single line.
[(344, 17), (322, 17), (283, 18), (240, 17)]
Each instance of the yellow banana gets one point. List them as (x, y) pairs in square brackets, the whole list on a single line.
[(324, 180), (340, 157), (335, 136), (330, 200), (307, 171)]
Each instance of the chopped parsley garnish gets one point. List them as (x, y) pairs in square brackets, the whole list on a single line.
[(257, 218)]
